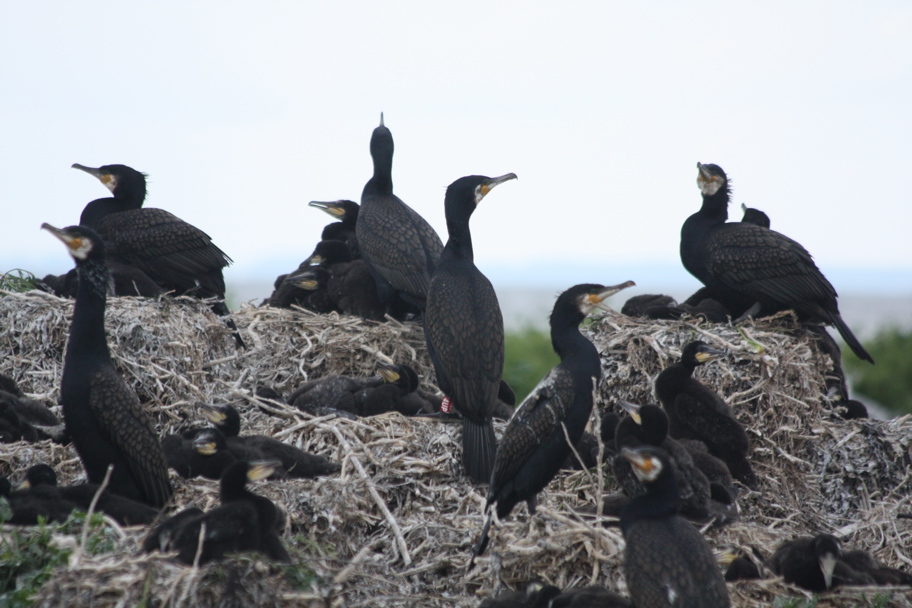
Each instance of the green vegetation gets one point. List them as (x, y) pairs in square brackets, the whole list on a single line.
[(17, 280), (28, 555), (528, 358), (890, 381)]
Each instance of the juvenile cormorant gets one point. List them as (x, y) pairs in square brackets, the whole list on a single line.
[(203, 453), (752, 270), (28, 505), (862, 561), (400, 382), (243, 522), (648, 425), (754, 216), (666, 561), (292, 461), (344, 229), (593, 596), (334, 392), (697, 412), (742, 565), (815, 563), (127, 512), (536, 595), (314, 282), (534, 444), (463, 328), (399, 246), (24, 419), (350, 285), (103, 416), (174, 254)]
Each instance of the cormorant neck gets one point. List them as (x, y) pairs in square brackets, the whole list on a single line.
[(571, 345), (672, 377), (87, 332), (460, 236), (661, 500), (231, 426), (716, 206), (382, 155)]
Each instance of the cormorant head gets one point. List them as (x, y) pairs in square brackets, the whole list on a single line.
[(588, 297), (38, 475), (474, 188), (648, 462), (342, 209), (81, 242), (754, 216), (312, 280), (827, 550), (261, 469), (208, 442), (632, 409), (121, 180), (381, 146), (402, 376), (711, 179), (329, 252), (698, 353)]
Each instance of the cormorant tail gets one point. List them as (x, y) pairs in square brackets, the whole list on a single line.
[(479, 446), (851, 340)]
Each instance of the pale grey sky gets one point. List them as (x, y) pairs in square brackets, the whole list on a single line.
[(242, 112)]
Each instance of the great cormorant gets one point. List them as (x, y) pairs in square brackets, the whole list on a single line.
[(103, 416), (666, 560), (463, 328), (399, 246), (815, 563), (344, 229), (534, 444), (293, 462), (752, 270), (174, 254), (243, 522), (697, 412)]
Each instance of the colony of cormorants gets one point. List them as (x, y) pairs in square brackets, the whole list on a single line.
[(379, 259)]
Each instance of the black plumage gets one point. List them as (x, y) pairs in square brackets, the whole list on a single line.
[(399, 246), (753, 270), (103, 417), (741, 564), (535, 442), (201, 453), (862, 561), (293, 462), (331, 392), (244, 522), (314, 283), (815, 563), (593, 596), (697, 412), (25, 419), (346, 212), (536, 595), (648, 425), (754, 216), (666, 560), (123, 510), (176, 255), (396, 394), (29, 505), (463, 328)]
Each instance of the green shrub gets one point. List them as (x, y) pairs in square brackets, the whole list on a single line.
[(527, 359), (890, 381)]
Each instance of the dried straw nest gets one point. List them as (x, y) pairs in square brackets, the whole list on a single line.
[(396, 527)]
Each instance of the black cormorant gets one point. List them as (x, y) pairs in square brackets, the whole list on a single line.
[(293, 462), (399, 246), (127, 512), (862, 561), (752, 270), (648, 425), (103, 416), (344, 229), (24, 419), (203, 453), (754, 216), (593, 596), (463, 328), (697, 412), (400, 382), (243, 522), (742, 565), (174, 254), (666, 561), (333, 392), (534, 444), (536, 595), (815, 563)]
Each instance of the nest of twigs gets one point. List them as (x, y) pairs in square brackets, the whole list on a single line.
[(398, 524)]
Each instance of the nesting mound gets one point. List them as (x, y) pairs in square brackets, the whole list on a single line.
[(397, 525)]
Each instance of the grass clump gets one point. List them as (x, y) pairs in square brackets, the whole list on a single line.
[(18, 280)]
